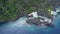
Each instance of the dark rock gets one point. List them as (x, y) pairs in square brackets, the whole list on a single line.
[(44, 13), (31, 21), (53, 8), (58, 13), (38, 22), (50, 24), (35, 21), (30, 16)]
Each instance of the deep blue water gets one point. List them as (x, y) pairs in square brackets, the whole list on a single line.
[(18, 27)]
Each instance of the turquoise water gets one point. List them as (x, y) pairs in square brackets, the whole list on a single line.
[(32, 27), (27, 27), (21, 27)]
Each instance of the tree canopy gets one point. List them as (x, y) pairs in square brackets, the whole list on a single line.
[(9, 8)]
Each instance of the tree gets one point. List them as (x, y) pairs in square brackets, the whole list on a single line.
[(9, 9)]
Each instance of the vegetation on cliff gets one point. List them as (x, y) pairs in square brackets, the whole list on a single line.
[(9, 9)]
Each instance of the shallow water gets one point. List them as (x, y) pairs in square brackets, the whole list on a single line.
[(21, 27)]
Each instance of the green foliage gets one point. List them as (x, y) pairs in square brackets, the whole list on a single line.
[(9, 8)]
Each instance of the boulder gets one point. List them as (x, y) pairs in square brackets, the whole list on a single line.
[(31, 21), (35, 21), (58, 13), (29, 16), (50, 24)]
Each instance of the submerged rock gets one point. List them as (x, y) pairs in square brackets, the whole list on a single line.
[(39, 21), (30, 21), (58, 13), (33, 21), (38, 18), (50, 24)]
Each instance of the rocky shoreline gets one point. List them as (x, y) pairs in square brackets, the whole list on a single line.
[(40, 18)]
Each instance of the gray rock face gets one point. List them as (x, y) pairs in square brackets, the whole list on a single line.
[(44, 13), (37, 22), (50, 24), (58, 13), (30, 16), (30, 21), (34, 21)]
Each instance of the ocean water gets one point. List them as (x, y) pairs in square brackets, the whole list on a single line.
[(20, 27), (55, 30), (37, 30)]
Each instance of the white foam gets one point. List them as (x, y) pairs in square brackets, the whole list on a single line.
[(41, 20), (34, 14), (54, 13)]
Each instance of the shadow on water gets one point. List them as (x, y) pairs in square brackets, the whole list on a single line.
[(2, 23)]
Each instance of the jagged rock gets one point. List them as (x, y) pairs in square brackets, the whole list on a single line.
[(30, 21), (50, 24), (58, 13), (30, 16), (44, 13), (35, 21)]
